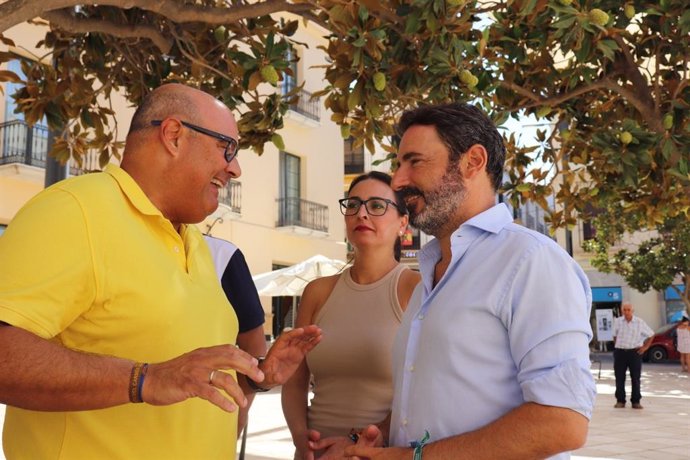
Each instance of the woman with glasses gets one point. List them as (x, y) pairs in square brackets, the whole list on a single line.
[(359, 311)]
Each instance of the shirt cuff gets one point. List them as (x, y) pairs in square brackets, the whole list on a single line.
[(567, 385)]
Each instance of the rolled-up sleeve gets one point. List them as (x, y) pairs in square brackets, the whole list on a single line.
[(566, 385), (549, 330)]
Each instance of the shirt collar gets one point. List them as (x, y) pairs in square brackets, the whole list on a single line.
[(132, 190), (493, 220)]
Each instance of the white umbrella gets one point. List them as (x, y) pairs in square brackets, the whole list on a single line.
[(291, 281)]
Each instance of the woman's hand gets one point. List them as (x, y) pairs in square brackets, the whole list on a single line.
[(287, 354)]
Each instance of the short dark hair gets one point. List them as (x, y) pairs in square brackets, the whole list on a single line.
[(460, 126), (399, 200)]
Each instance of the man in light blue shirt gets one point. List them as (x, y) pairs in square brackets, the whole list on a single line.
[(492, 357)]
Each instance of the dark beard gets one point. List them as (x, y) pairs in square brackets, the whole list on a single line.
[(441, 204)]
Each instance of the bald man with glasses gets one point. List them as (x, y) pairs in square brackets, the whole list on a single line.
[(117, 339)]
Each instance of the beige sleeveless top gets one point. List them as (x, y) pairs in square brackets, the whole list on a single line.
[(351, 366)]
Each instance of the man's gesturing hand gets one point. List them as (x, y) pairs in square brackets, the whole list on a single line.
[(189, 376)]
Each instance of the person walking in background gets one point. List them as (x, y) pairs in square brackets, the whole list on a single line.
[(492, 357), (631, 337), (683, 343), (359, 311), (236, 280), (117, 340)]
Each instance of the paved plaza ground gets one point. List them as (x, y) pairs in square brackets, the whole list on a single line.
[(660, 431)]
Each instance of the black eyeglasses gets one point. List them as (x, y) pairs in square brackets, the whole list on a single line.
[(231, 148), (375, 206)]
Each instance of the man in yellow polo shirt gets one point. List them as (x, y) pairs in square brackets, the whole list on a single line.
[(108, 298)]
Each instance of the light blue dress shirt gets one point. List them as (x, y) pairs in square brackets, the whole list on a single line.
[(507, 324)]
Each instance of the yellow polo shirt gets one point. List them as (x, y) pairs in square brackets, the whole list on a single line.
[(92, 263)]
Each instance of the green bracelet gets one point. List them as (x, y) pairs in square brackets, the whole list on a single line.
[(419, 445)]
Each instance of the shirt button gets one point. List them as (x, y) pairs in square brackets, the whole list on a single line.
[(176, 249), (411, 368), (421, 316), (404, 422)]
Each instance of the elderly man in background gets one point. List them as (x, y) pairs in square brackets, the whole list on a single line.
[(632, 338)]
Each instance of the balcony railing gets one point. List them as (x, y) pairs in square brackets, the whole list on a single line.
[(296, 212), (231, 195), (354, 157), (305, 105), (21, 143), (29, 145)]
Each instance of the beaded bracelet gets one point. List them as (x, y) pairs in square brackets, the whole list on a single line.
[(140, 383), (136, 381)]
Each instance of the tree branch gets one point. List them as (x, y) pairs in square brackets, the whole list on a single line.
[(555, 100), (14, 12), (181, 44), (632, 71), (631, 95), (66, 21), (522, 91), (640, 103)]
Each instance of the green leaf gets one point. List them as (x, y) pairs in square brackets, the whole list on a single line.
[(412, 23), (608, 48), (564, 23), (360, 42), (667, 148), (527, 8)]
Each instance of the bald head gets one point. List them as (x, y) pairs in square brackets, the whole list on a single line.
[(184, 151), (627, 310), (172, 99)]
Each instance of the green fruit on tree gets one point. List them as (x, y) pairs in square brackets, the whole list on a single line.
[(269, 74), (379, 81), (668, 121), (466, 76), (374, 110), (543, 111), (473, 82), (345, 131), (626, 137), (277, 140), (565, 2), (598, 17), (455, 2), (219, 34), (629, 11)]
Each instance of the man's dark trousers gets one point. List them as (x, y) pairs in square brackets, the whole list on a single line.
[(624, 359)]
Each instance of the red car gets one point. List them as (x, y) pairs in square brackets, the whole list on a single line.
[(663, 345)]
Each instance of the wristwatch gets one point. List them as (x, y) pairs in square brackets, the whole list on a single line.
[(255, 386)]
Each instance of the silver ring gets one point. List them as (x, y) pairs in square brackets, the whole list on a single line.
[(211, 375)]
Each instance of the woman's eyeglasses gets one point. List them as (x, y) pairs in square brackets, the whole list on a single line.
[(231, 146), (374, 206)]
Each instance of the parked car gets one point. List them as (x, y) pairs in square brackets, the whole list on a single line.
[(663, 345)]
